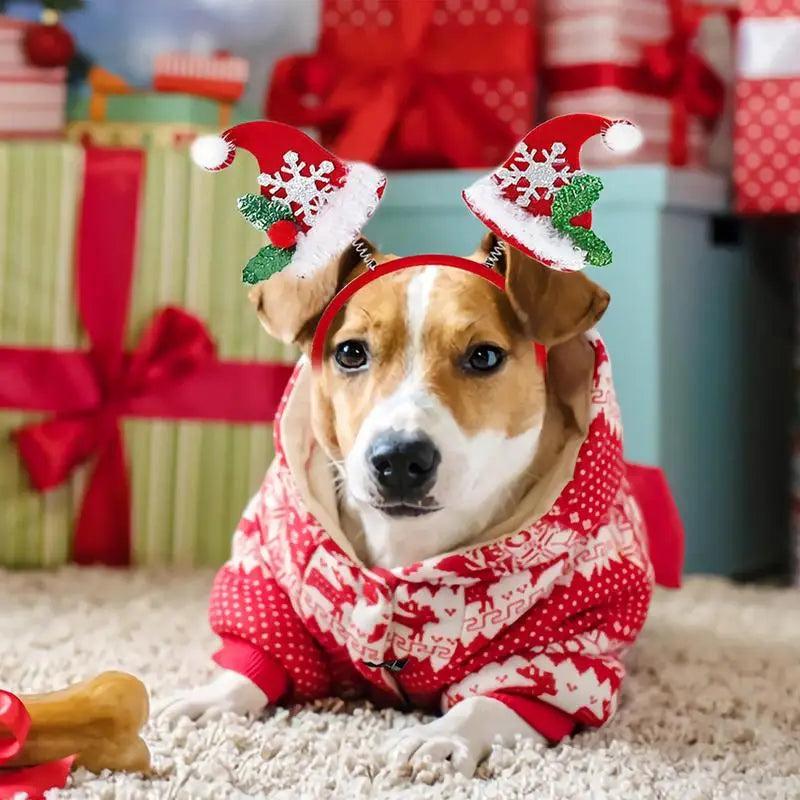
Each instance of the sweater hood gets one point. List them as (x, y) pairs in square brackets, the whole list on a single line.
[(572, 502)]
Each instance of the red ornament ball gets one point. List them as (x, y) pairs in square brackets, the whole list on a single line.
[(282, 233), (48, 45)]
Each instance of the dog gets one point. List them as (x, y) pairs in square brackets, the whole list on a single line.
[(447, 522)]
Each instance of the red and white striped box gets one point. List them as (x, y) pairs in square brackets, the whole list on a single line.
[(594, 55), (32, 99), (219, 76), (767, 123)]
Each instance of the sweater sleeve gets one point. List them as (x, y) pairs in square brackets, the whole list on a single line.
[(573, 678), (262, 636)]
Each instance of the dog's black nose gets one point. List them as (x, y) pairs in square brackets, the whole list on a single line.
[(404, 464)]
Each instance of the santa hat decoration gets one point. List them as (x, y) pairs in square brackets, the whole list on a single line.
[(311, 205), (540, 200)]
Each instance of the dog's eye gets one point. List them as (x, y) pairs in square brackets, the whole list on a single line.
[(351, 354), (484, 358)]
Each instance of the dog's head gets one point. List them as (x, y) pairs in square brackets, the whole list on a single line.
[(430, 399)]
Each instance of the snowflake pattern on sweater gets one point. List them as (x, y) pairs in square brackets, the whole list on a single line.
[(539, 619)]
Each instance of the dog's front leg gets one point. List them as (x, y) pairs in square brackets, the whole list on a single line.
[(464, 735), (228, 691)]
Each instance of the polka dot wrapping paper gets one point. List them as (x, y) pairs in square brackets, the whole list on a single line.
[(639, 61), (767, 122), (414, 84)]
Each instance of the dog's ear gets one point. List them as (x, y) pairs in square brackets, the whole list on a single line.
[(289, 307), (552, 306)]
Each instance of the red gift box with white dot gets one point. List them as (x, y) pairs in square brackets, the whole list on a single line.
[(415, 84), (767, 122)]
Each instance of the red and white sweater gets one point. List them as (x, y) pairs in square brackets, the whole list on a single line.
[(538, 619)]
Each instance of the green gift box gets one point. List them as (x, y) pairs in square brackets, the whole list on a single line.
[(151, 118), (189, 477)]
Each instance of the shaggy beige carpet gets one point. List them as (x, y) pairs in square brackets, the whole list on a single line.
[(711, 707)]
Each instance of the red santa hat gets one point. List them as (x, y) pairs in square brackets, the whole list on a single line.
[(314, 204), (539, 200)]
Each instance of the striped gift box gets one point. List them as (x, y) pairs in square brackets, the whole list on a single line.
[(652, 114), (189, 479), (220, 76), (614, 32), (611, 31), (32, 100)]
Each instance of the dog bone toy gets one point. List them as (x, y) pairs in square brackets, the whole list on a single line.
[(98, 720)]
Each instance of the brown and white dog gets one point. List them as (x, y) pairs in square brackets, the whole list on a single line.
[(438, 423)]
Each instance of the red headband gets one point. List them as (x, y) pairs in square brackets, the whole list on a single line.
[(333, 308)]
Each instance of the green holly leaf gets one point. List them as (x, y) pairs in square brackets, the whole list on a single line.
[(261, 212), (266, 262), (573, 200)]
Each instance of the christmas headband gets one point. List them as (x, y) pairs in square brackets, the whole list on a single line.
[(312, 205)]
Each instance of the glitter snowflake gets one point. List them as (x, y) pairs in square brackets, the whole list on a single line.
[(531, 177), (306, 192)]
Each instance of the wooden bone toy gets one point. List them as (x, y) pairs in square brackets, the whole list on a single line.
[(99, 720)]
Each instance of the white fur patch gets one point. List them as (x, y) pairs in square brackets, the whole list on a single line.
[(534, 234), (418, 295)]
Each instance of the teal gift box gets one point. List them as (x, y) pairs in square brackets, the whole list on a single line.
[(699, 370)]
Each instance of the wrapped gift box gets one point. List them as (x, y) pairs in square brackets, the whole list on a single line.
[(415, 84), (137, 119), (220, 76), (767, 124), (639, 61), (86, 222), (32, 99)]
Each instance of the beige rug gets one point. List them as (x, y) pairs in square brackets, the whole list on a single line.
[(711, 709)]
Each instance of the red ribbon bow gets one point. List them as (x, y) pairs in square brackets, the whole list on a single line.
[(33, 781), (408, 83), (682, 73), (670, 69), (172, 374), (173, 346)]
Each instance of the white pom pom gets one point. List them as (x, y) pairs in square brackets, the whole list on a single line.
[(212, 152), (623, 136)]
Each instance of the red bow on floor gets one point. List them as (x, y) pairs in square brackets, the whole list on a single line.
[(33, 781)]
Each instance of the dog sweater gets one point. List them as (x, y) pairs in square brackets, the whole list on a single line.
[(538, 619)]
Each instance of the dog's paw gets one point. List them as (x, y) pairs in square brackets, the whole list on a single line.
[(227, 692), (423, 744), (463, 736)]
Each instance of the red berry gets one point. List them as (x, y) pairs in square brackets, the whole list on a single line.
[(282, 233)]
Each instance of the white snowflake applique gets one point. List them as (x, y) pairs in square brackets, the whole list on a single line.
[(531, 177), (305, 191)]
